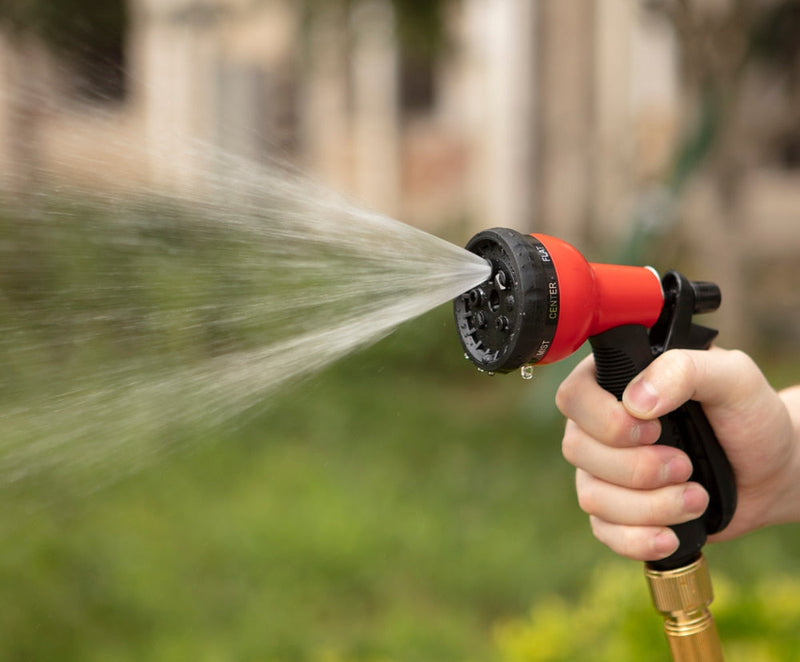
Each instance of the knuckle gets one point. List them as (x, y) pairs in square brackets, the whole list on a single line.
[(675, 372), (570, 444), (744, 366), (574, 386), (644, 470), (619, 426), (598, 529), (666, 508), (564, 397), (680, 364), (623, 540), (740, 359), (630, 543), (587, 498)]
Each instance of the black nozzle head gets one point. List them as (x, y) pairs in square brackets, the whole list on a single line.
[(505, 322)]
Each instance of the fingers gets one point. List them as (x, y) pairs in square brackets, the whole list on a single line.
[(721, 379), (633, 493), (641, 468), (599, 414), (635, 523), (633, 490), (663, 506), (640, 543)]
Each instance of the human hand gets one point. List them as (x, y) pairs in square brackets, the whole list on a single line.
[(633, 489)]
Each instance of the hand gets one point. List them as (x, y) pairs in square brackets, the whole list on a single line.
[(633, 489)]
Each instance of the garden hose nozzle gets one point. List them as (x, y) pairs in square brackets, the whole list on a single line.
[(542, 301)]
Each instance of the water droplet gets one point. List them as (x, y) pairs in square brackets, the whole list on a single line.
[(526, 372)]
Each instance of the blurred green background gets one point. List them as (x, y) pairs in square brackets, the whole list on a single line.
[(398, 506)]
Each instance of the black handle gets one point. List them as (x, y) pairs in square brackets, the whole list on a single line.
[(621, 354)]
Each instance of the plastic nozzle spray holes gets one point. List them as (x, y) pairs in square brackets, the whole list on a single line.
[(543, 300)]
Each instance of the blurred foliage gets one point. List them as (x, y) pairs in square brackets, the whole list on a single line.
[(612, 621), (716, 47)]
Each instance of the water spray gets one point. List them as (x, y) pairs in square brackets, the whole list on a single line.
[(542, 301)]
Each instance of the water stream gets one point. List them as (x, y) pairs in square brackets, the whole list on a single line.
[(126, 317)]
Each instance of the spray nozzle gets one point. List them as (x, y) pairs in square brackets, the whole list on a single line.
[(543, 300), (504, 322)]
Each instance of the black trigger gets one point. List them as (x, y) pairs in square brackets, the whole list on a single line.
[(701, 336)]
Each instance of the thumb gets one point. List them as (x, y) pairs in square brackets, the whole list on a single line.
[(717, 378)]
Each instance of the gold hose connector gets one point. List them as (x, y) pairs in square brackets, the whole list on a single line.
[(683, 596)]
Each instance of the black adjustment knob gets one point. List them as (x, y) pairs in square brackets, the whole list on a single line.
[(707, 297)]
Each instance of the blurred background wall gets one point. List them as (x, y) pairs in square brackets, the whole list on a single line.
[(650, 130)]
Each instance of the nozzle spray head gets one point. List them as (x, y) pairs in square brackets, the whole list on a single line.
[(544, 299), (511, 318)]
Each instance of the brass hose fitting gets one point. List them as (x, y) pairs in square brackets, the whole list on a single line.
[(683, 596)]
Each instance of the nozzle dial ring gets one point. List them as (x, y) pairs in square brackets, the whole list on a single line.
[(510, 319)]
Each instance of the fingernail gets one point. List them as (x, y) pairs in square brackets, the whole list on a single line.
[(695, 500), (645, 433), (665, 543), (640, 397)]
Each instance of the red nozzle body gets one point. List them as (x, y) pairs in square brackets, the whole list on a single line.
[(544, 299), (596, 297)]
